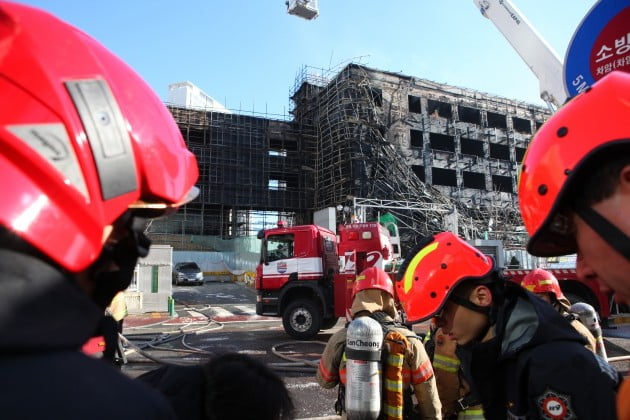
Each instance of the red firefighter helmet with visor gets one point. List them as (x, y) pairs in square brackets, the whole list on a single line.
[(439, 265), (373, 278), (83, 139), (542, 281), (593, 122)]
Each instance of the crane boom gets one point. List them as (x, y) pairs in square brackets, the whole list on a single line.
[(533, 49)]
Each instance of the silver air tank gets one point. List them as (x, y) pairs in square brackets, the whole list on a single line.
[(363, 365), (588, 316)]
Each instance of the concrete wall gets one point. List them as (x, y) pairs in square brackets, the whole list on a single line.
[(142, 297)]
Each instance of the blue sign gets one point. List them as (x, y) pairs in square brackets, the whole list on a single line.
[(600, 45)]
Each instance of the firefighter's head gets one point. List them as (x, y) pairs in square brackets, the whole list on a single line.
[(544, 284), (574, 187), (373, 291), (450, 280), (86, 150)]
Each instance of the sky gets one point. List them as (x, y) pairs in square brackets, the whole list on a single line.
[(246, 54)]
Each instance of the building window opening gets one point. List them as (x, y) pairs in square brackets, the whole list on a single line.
[(497, 120), (439, 109), (442, 142), (499, 151), (414, 104), (469, 115), (471, 147), (522, 125), (277, 185), (447, 177), (416, 138), (474, 180), (502, 183)]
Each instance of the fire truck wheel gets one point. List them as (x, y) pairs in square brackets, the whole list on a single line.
[(302, 319), (329, 323)]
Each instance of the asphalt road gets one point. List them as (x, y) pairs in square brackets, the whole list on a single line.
[(224, 320), (220, 317)]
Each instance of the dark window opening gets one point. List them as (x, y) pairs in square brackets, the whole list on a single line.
[(414, 104), (520, 153), (419, 171), (416, 138), (439, 109), (499, 151), (537, 125), (474, 180), (377, 96), (521, 125), (469, 115), (446, 177), (471, 147), (442, 142), (496, 120), (279, 144), (502, 183)]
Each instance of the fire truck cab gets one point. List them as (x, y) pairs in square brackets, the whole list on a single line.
[(306, 273)]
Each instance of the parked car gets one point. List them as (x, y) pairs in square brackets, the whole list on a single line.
[(187, 273)]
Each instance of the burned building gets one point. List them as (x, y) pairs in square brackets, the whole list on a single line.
[(434, 155)]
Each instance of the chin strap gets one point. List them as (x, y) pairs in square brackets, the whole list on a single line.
[(468, 304), (610, 233)]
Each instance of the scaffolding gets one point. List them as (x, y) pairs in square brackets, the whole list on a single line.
[(361, 118), (437, 157), (253, 171)]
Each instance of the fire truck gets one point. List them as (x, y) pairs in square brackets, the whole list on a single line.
[(305, 274), (574, 288)]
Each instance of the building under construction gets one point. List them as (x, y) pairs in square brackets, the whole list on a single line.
[(435, 156)]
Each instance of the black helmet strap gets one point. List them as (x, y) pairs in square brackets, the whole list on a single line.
[(605, 229)]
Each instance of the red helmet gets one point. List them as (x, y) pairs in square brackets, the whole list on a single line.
[(542, 281), (82, 139), (435, 270), (589, 123), (373, 278)]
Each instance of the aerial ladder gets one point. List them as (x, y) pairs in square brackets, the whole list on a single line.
[(543, 61)]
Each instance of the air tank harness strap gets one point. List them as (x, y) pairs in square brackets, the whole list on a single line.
[(396, 344)]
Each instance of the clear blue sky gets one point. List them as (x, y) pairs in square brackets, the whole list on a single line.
[(246, 54)]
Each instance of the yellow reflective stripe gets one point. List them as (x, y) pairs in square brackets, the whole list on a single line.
[(445, 363), (471, 414), (545, 282), (392, 385), (408, 280), (395, 360), (392, 411), (530, 287)]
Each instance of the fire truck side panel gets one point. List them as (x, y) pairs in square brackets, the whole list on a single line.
[(574, 288)]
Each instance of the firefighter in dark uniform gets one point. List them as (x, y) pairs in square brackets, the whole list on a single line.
[(87, 150), (545, 285), (574, 189), (525, 359), (372, 295)]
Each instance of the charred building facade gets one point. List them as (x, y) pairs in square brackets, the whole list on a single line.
[(436, 156)]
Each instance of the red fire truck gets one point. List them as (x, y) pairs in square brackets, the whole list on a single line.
[(575, 289), (305, 273)]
